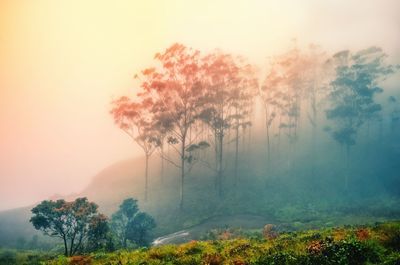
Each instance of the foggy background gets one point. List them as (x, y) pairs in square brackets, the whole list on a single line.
[(61, 63)]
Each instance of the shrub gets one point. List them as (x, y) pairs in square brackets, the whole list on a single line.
[(278, 258), (390, 236), (213, 259), (340, 252)]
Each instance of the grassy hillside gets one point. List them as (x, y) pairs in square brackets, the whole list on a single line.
[(376, 244)]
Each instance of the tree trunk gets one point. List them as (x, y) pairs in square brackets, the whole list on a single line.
[(77, 245), (314, 139), (162, 164), (346, 175), (71, 247), (314, 149), (268, 147), (220, 166), (236, 156), (279, 139), (267, 123), (182, 173), (65, 246), (146, 185)]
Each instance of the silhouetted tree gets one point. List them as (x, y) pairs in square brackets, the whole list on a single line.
[(353, 93)]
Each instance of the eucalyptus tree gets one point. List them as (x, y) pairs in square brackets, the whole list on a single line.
[(136, 119), (243, 99), (221, 76), (175, 86), (352, 96), (318, 71), (282, 93), (269, 93)]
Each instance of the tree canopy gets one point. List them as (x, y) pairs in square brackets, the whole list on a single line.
[(74, 222)]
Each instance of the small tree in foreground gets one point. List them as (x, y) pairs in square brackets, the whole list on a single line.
[(129, 224), (73, 222)]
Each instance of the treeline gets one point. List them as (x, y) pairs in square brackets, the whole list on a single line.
[(197, 104)]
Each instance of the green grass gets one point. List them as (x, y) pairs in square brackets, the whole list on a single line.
[(373, 244)]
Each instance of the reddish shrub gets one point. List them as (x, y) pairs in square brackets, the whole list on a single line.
[(80, 260), (362, 234), (315, 247), (213, 259)]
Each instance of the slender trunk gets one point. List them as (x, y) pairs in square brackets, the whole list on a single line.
[(295, 132), (162, 164), (244, 141), (182, 173), (346, 175), (146, 185), (220, 167), (216, 146), (268, 147), (65, 246), (314, 139), (249, 141), (236, 156), (279, 138), (314, 149), (78, 245), (71, 247)]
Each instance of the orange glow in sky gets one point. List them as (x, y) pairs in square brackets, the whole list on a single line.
[(62, 62)]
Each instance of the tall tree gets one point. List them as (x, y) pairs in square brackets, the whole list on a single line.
[(221, 77), (136, 120), (176, 87), (243, 96), (317, 74), (353, 93), (270, 95), (282, 93)]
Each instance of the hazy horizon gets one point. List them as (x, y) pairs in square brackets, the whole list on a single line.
[(63, 62)]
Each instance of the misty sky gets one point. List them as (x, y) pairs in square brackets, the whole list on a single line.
[(62, 62)]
